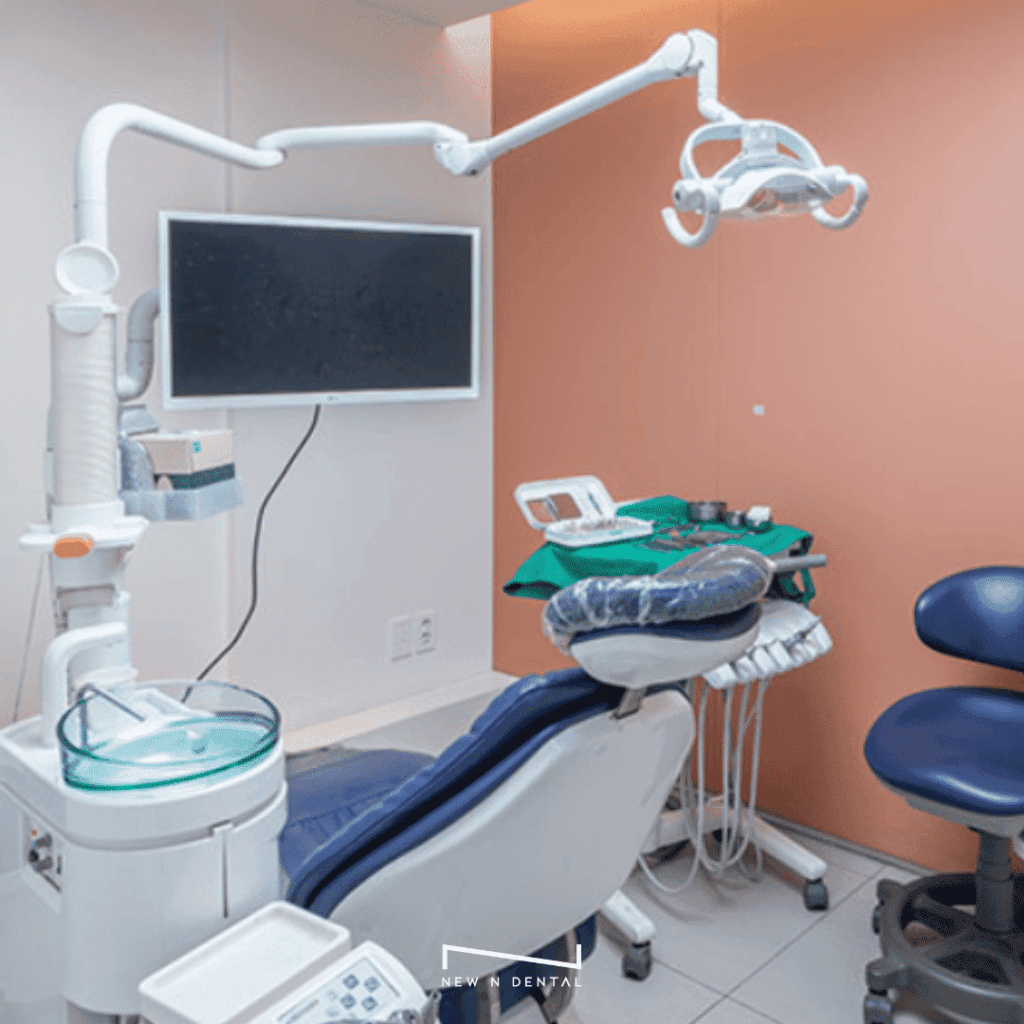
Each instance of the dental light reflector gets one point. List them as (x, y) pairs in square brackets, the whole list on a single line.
[(762, 181)]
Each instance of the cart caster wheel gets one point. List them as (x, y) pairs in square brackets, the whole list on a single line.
[(636, 963), (876, 919), (815, 896), (877, 1009)]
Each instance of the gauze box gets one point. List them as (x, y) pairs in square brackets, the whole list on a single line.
[(189, 451)]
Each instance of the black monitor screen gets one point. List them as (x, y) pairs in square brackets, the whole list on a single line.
[(264, 309)]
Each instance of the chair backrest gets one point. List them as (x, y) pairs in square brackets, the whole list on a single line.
[(977, 614), (537, 855)]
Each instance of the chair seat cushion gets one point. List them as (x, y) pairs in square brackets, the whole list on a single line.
[(329, 788), (962, 747), (515, 725)]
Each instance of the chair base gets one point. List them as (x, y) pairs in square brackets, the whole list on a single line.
[(970, 973)]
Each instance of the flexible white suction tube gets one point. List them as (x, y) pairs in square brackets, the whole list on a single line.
[(138, 356), (94, 149)]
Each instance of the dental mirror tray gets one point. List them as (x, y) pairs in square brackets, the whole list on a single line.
[(576, 512)]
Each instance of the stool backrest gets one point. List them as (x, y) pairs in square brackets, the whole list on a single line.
[(977, 614)]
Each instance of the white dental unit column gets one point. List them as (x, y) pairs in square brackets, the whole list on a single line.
[(100, 886)]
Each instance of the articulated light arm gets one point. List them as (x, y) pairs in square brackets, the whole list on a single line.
[(680, 56), (762, 181), (692, 54)]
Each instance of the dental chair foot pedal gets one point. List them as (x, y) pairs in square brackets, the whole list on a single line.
[(815, 895), (877, 1008), (637, 961)]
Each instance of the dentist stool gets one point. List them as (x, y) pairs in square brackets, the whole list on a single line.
[(958, 753)]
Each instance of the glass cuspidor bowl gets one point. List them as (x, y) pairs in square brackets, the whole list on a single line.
[(162, 733)]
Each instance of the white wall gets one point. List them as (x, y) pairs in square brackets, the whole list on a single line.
[(389, 509)]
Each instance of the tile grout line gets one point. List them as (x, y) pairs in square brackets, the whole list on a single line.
[(797, 938), (728, 996)]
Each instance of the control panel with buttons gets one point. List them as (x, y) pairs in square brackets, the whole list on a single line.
[(359, 993), (285, 965)]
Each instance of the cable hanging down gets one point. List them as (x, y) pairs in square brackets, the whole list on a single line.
[(256, 548)]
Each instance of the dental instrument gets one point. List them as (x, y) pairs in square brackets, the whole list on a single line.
[(191, 852)]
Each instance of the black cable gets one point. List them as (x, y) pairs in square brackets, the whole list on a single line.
[(256, 547)]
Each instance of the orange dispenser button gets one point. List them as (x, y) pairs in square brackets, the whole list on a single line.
[(74, 545)]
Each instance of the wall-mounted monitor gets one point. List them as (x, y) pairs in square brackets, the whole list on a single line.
[(260, 311)]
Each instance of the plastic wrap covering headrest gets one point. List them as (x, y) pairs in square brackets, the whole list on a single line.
[(715, 581)]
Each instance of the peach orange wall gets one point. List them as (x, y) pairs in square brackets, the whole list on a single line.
[(889, 358)]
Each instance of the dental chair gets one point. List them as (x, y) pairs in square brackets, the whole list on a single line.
[(507, 844), (958, 753)]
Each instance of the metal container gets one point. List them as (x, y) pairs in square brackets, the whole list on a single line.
[(707, 511)]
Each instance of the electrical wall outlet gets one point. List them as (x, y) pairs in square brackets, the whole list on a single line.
[(424, 633), (400, 638)]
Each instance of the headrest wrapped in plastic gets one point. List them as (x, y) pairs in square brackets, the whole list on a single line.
[(715, 581)]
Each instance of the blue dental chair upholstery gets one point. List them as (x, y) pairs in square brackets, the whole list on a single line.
[(958, 753)]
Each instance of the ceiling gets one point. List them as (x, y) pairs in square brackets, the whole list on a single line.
[(445, 12)]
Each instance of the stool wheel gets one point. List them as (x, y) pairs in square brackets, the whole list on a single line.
[(637, 961), (815, 895), (877, 1009)]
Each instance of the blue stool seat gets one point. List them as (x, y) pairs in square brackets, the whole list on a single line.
[(962, 747)]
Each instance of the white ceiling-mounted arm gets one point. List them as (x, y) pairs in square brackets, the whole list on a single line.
[(705, 57), (680, 56), (94, 149), (401, 133)]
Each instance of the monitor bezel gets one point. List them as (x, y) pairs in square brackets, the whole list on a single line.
[(257, 401)]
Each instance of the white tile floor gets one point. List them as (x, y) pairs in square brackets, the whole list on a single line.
[(744, 952)]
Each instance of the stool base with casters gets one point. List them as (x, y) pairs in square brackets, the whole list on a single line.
[(970, 971)]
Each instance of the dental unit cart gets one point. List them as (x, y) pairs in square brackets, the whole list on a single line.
[(284, 965), (790, 635)]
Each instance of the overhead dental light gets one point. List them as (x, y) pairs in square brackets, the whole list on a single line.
[(761, 182)]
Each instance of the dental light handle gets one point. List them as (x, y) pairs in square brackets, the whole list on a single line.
[(692, 240), (57, 661), (860, 198)]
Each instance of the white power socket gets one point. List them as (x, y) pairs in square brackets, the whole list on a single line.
[(400, 638), (424, 633)]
